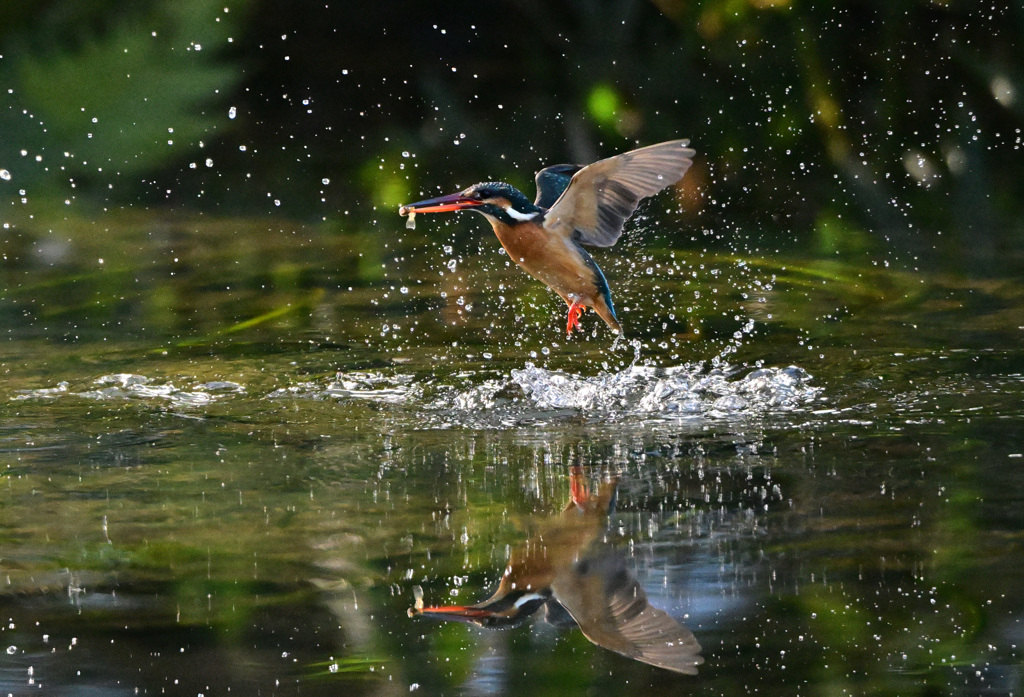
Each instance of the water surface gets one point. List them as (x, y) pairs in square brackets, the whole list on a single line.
[(231, 449)]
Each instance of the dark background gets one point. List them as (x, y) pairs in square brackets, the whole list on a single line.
[(864, 126)]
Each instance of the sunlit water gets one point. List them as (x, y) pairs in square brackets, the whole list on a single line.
[(694, 391), (199, 502)]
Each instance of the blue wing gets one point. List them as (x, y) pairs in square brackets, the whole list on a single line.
[(552, 181)]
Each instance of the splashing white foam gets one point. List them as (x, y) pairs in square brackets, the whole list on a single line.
[(391, 389), (531, 393), (128, 386), (692, 389)]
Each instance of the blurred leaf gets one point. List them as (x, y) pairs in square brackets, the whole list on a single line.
[(836, 235), (123, 101), (388, 187), (603, 104)]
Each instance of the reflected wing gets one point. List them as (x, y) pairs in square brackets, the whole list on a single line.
[(602, 196), (552, 182), (612, 610)]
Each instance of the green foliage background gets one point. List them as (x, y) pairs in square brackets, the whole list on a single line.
[(839, 127)]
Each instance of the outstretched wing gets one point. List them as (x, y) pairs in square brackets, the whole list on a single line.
[(552, 182), (611, 609), (602, 196)]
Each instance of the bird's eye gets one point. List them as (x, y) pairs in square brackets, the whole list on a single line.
[(483, 193)]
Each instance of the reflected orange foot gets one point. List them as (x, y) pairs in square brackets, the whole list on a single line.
[(575, 310), (578, 486)]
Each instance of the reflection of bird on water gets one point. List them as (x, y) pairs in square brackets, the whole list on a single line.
[(576, 205), (566, 569)]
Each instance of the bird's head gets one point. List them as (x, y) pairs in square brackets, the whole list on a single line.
[(496, 200), (504, 609)]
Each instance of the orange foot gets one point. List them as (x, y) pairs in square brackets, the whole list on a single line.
[(575, 310), (578, 486)]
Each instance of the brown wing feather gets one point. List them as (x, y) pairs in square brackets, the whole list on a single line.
[(612, 610), (602, 196)]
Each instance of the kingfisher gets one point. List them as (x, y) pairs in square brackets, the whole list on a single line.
[(567, 569), (576, 206)]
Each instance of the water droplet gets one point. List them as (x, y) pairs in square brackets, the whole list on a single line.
[(5, 175), (232, 113), (325, 181)]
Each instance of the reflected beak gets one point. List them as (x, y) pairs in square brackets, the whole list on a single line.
[(462, 613), (441, 204)]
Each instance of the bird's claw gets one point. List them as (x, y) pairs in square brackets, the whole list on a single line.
[(578, 487), (575, 310)]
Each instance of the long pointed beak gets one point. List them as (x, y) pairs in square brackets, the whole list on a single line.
[(462, 613), (441, 204)]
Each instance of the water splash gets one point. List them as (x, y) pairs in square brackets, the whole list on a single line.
[(377, 387), (129, 386), (688, 390), (707, 390), (43, 392)]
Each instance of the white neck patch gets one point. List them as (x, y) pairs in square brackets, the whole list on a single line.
[(527, 598), (519, 216)]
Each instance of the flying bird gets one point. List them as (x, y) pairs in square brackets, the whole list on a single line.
[(576, 206), (567, 569)]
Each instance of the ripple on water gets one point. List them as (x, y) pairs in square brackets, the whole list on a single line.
[(377, 387), (121, 386)]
